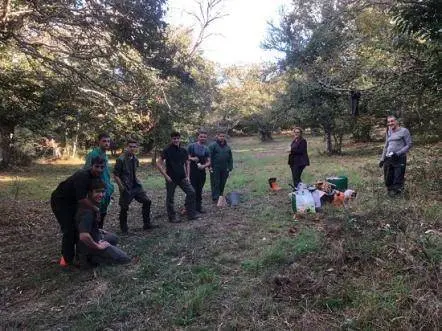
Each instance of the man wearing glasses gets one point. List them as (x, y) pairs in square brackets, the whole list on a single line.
[(177, 173), (103, 146), (130, 187), (64, 203)]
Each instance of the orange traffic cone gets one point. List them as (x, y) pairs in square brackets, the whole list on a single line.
[(63, 262), (273, 184)]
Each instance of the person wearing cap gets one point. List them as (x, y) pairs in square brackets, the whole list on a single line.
[(64, 203), (199, 156), (394, 156), (177, 173), (103, 146), (221, 165), (130, 187), (96, 246)]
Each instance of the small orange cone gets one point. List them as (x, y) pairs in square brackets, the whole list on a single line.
[(274, 186), (63, 262)]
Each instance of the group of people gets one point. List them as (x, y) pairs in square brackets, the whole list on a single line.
[(393, 159), (80, 202)]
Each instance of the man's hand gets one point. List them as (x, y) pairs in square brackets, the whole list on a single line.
[(103, 244), (188, 179), (395, 157), (169, 180), (381, 164)]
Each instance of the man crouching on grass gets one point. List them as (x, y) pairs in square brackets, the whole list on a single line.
[(96, 246)]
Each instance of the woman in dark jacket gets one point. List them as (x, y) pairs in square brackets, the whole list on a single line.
[(298, 158)]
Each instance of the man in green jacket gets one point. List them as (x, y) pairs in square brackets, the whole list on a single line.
[(221, 165), (103, 146)]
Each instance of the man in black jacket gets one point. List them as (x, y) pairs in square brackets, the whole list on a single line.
[(64, 203), (130, 187)]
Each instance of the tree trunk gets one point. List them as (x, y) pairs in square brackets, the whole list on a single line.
[(328, 141), (75, 142), (154, 157), (6, 133), (74, 146)]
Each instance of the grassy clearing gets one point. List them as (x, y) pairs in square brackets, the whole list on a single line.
[(373, 266)]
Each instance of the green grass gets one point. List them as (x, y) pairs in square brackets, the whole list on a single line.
[(375, 265), (284, 251)]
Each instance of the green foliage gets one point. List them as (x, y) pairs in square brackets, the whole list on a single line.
[(110, 66), (335, 47), (245, 99)]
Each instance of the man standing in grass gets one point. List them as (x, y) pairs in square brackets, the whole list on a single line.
[(103, 146), (394, 156), (177, 174), (130, 187), (199, 156), (64, 203), (221, 165), (96, 246)]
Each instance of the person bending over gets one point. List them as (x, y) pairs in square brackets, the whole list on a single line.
[(64, 203)]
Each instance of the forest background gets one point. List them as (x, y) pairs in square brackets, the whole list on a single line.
[(71, 69)]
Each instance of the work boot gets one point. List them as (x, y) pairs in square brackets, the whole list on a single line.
[(173, 219), (193, 218)]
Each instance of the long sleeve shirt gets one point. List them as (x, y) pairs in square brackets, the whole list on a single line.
[(398, 142)]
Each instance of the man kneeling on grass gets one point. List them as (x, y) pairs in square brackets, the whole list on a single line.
[(96, 246)]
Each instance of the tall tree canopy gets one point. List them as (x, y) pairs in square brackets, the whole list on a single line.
[(336, 50), (79, 67)]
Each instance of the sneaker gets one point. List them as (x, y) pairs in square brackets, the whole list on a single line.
[(201, 211), (193, 218), (174, 220)]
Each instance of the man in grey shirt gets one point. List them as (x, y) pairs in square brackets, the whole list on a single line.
[(394, 156)]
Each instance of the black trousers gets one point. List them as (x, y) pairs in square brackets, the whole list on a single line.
[(296, 174), (111, 255), (198, 179), (65, 215), (394, 173), (218, 180), (126, 198), (189, 203)]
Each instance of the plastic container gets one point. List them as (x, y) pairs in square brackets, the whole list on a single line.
[(234, 198), (341, 182)]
